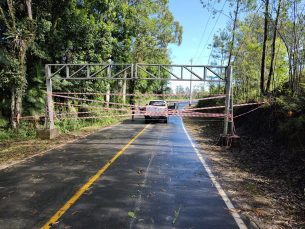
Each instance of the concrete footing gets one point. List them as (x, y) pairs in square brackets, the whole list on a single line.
[(232, 141), (47, 134)]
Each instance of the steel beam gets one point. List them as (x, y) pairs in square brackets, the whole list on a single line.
[(198, 78), (169, 73), (214, 73), (124, 70)]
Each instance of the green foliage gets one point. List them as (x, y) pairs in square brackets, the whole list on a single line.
[(79, 32), (26, 131), (3, 122), (293, 109)]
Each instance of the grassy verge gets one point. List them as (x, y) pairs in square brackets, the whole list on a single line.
[(15, 146)]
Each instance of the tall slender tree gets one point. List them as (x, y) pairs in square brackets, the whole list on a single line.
[(264, 53)]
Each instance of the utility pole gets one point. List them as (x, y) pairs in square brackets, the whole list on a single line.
[(191, 83)]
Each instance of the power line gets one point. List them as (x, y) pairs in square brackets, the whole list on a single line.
[(212, 30), (242, 41), (204, 30)]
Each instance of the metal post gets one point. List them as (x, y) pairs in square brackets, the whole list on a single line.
[(228, 101), (124, 87), (67, 71), (181, 72), (231, 123), (191, 83), (108, 84), (136, 71), (49, 96), (88, 71)]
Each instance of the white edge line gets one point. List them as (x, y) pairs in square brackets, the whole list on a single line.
[(225, 198)]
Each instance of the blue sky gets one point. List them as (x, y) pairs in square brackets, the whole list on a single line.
[(194, 19)]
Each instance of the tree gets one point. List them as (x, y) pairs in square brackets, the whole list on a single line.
[(18, 36), (271, 71), (264, 54)]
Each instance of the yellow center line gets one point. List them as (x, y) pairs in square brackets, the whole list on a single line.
[(64, 208)]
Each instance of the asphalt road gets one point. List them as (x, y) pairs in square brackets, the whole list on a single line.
[(156, 175)]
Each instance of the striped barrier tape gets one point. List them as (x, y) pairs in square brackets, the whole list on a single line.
[(139, 112), (92, 100), (135, 111), (182, 112), (248, 111), (195, 114), (214, 115), (246, 104), (103, 108), (77, 135), (122, 104), (235, 105), (89, 93), (31, 117)]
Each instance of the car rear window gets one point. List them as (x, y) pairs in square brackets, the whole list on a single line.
[(157, 103)]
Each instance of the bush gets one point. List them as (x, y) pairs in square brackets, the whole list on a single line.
[(3, 122)]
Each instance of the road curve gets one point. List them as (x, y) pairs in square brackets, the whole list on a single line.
[(155, 176)]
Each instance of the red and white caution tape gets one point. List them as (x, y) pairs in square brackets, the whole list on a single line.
[(31, 117), (235, 105), (215, 97), (107, 108), (122, 104), (77, 135), (247, 104), (248, 111), (181, 115), (161, 112), (97, 101), (88, 93), (87, 106)]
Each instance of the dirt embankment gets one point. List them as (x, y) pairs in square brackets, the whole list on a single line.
[(266, 176)]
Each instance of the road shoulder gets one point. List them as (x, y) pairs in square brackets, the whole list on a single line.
[(252, 194)]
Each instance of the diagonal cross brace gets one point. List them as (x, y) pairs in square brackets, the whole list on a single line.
[(170, 72), (214, 73), (147, 72), (192, 73)]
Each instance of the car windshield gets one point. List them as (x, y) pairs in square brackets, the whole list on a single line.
[(157, 103)]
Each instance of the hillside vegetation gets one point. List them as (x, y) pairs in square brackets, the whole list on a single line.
[(35, 33), (263, 42)]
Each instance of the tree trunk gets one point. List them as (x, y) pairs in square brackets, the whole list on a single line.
[(233, 37), (13, 114), (264, 49), (29, 6), (18, 105), (273, 48)]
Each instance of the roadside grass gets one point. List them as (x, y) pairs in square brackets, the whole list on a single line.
[(14, 146), (21, 148)]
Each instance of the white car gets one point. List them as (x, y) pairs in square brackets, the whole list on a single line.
[(156, 109)]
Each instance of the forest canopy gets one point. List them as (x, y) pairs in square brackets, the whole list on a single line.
[(34, 33), (264, 42)]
